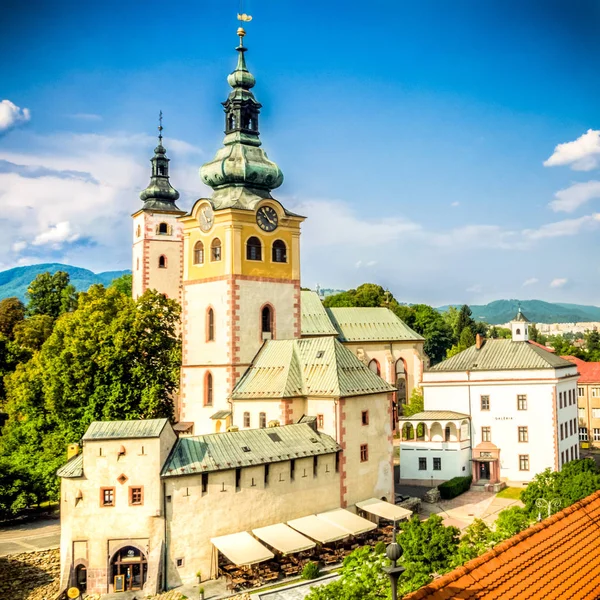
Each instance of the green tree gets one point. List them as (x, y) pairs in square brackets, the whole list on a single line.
[(437, 333), (463, 320), (123, 284), (477, 539), (51, 295), (511, 521), (497, 333), (12, 312), (415, 403), (33, 331), (16, 491), (592, 341), (11, 354), (110, 359)]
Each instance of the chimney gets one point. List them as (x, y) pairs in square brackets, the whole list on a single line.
[(478, 341), (72, 450)]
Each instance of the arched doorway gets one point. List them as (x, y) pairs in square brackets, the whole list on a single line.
[(131, 564), (400, 373), (81, 577)]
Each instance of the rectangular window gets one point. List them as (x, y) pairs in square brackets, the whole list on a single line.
[(596, 434), (521, 402), (560, 400), (337, 462), (246, 419), (486, 434), (562, 458), (315, 465), (523, 462), (262, 420), (595, 392), (204, 483), (422, 463), (595, 413), (485, 403), (437, 464), (562, 432), (583, 434), (580, 392), (572, 453), (582, 413), (292, 469), (266, 475), (524, 434), (320, 421), (238, 480), (364, 452), (107, 496), (136, 495), (365, 417), (570, 428)]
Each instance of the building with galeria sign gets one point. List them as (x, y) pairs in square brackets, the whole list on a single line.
[(285, 412), (501, 410)]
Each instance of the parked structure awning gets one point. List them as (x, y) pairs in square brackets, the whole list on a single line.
[(318, 529), (283, 538), (241, 548), (384, 509), (347, 521)]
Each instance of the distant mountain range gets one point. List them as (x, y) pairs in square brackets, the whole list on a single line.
[(14, 282), (537, 311)]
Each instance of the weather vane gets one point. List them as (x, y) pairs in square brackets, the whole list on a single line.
[(242, 16), (160, 127)]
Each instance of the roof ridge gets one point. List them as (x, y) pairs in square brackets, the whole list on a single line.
[(471, 565), (298, 363)]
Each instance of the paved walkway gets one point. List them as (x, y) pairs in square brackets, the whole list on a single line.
[(43, 534)]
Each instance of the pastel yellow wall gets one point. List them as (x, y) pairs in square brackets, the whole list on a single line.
[(194, 518), (589, 402), (111, 527)]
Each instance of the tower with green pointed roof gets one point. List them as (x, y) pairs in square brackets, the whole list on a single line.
[(241, 276), (157, 234)]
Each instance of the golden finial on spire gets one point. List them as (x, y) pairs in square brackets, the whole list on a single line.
[(244, 18)]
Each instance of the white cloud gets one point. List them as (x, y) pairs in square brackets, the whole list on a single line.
[(476, 288), (530, 281), (573, 197), (56, 235), (11, 115), (583, 154), (19, 246), (564, 228), (455, 203), (558, 283)]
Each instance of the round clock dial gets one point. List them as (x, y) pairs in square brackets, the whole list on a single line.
[(266, 217), (207, 217)]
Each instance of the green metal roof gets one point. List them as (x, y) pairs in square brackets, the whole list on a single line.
[(233, 449), (502, 355), (307, 367), (73, 468), (357, 324), (106, 430), (315, 320), (435, 415)]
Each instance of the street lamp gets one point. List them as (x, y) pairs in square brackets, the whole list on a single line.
[(394, 552), (547, 504)]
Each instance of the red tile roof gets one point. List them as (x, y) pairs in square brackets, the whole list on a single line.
[(546, 348), (556, 559), (589, 372)]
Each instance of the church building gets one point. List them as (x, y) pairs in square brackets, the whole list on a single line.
[(286, 410)]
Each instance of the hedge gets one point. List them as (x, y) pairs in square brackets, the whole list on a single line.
[(454, 487)]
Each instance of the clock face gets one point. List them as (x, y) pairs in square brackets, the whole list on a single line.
[(207, 217), (266, 217)]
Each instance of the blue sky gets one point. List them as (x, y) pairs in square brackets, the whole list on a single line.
[(425, 141)]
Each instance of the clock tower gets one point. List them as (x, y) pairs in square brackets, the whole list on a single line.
[(241, 275)]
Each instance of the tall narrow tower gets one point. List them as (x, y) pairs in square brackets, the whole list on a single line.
[(157, 235), (241, 279)]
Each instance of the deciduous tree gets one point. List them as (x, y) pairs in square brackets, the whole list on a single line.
[(12, 312), (51, 295)]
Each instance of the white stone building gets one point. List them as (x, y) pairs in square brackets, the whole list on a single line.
[(520, 403)]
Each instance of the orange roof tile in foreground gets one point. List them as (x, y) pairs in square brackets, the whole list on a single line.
[(556, 559), (546, 348), (589, 372)]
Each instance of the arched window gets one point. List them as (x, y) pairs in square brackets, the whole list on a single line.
[(215, 249), (262, 420), (279, 251), (253, 249), (161, 170), (162, 262), (210, 325), (163, 228), (199, 253), (374, 366), (246, 419), (266, 321), (208, 389), (447, 433), (138, 231), (518, 331)]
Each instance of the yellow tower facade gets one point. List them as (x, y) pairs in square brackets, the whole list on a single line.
[(241, 266)]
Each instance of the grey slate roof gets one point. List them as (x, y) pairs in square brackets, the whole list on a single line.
[(73, 468), (107, 430), (521, 317), (233, 449), (435, 415), (502, 355), (319, 366)]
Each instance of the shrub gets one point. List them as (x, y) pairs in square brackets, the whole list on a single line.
[(454, 487), (379, 548), (311, 570)]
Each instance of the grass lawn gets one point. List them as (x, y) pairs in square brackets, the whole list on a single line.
[(510, 492)]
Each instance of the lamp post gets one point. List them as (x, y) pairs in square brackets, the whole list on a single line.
[(547, 504), (394, 552)]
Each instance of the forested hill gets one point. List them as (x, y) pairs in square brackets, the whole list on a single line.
[(537, 311), (14, 282)]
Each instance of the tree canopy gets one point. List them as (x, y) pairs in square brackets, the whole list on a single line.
[(51, 294), (12, 312)]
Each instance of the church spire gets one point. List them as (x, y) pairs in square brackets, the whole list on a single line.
[(241, 174), (160, 195)]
